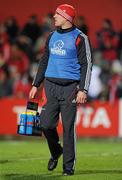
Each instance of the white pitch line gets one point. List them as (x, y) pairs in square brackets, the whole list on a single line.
[(46, 158)]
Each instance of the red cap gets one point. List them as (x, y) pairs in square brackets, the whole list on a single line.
[(66, 11)]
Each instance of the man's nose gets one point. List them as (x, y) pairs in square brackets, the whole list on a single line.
[(55, 15)]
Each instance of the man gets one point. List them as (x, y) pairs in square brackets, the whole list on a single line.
[(66, 67)]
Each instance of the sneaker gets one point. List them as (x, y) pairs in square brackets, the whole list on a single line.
[(68, 172), (52, 164)]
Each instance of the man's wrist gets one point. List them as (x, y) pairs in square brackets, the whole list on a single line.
[(85, 91), (35, 85)]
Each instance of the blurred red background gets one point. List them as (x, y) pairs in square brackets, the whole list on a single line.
[(94, 10)]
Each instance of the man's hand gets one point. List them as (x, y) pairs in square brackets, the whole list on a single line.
[(33, 92), (81, 97)]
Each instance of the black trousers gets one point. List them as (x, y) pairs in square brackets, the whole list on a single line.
[(60, 99)]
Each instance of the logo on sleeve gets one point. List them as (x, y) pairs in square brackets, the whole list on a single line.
[(58, 48)]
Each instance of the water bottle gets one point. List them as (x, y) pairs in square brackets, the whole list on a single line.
[(22, 124), (37, 126), (29, 125)]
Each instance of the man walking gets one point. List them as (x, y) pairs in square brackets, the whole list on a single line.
[(66, 67)]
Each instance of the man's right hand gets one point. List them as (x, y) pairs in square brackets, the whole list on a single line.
[(33, 92)]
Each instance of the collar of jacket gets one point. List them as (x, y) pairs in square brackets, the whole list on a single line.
[(59, 30)]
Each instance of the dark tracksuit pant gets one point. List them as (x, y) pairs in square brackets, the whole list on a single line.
[(60, 99)]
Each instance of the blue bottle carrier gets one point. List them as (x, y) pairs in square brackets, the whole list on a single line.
[(29, 122)]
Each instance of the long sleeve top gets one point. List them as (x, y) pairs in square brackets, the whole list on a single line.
[(84, 55)]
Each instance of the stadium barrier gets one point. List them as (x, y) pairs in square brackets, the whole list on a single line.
[(96, 119)]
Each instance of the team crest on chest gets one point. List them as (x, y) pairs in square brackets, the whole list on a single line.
[(58, 48)]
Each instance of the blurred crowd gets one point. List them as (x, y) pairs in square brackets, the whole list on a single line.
[(22, 47)]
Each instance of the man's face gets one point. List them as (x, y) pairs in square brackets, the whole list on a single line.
[(59, 20)]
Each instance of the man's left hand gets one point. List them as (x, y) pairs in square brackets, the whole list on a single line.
[(81, 97)]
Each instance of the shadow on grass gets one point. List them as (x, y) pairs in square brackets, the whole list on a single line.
[(31, 177), (105, 171), (55, 175)]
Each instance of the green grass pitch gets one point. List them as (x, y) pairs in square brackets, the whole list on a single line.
[(27, 160)]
